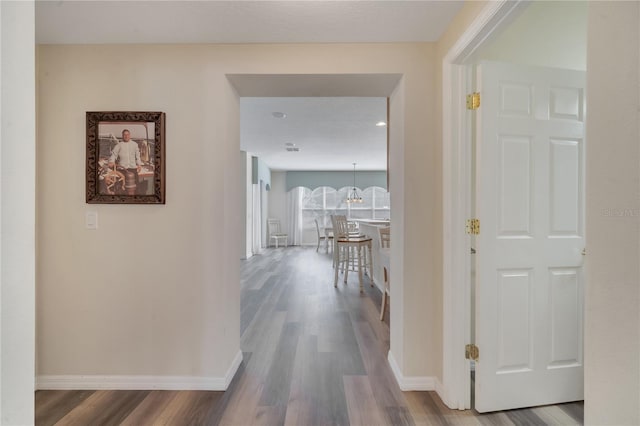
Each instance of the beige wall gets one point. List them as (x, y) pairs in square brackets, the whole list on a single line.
[(422, 215), (612, 336), (143, 294), (154, 291)]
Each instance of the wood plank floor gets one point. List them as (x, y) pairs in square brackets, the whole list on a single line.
[(313, 355)]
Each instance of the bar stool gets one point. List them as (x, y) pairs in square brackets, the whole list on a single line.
[(350, 251), (340, 228)]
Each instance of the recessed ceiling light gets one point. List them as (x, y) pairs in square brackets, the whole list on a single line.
[(381, 124), (291, 147), (278, 114)]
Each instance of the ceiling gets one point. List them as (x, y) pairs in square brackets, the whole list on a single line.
[(331, 132), (183, 21)]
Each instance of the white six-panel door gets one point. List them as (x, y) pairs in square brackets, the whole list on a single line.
[(529, 196)]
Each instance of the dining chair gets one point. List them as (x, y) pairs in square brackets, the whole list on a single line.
[(340, 231), (273, 228), (340, 225), (384, 255), (385, 236), (323, 236)]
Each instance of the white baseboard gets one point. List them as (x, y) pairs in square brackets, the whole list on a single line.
[(413, 383), (233, 369), (441, 391), (114, 382)]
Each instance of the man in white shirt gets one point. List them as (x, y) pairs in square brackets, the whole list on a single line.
[(127, 153)]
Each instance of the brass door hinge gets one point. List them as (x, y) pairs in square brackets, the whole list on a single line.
[(473, 226), (473, 101), (471, 352)]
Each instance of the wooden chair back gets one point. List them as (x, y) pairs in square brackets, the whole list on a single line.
[(385, 236), (340, 226)]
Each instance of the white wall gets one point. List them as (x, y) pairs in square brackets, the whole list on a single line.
[(612, 335), (547, 33), (247, 205), (17, 213), (171, 295)]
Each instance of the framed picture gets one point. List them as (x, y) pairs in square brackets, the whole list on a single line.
[(125, 157)]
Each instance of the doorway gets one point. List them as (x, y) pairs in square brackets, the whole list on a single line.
[(386, 86), (322, 85), (307, 150), (503, 27)]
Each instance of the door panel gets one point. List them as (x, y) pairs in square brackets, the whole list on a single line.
[(565, 182), (566, 312), (529, 198), (515, 186), (514, 321)]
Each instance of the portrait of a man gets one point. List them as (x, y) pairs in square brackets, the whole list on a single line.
[(123, 158), (125, 162)]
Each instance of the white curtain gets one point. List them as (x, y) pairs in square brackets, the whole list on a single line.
[(264, 213), (256, 247), (294, 215)]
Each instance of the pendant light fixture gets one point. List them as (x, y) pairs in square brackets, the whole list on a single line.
[(353, 196)]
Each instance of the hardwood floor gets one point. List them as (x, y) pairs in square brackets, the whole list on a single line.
[(313, 355)]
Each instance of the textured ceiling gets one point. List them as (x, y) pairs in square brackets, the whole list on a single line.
[(330, 133), (64, 22), (330, 119)]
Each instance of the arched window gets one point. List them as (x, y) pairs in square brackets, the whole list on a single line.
[(325, 201)]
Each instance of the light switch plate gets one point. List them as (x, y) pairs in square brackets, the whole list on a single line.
[(91, 220)]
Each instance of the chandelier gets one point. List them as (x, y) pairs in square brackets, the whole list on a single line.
[(353, 196)]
